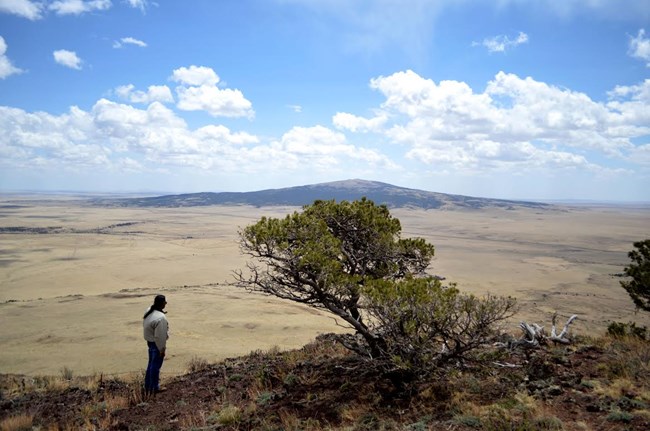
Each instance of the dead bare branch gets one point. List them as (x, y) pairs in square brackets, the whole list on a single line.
[(535, 336)]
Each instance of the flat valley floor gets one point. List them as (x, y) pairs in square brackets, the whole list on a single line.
[(75, 279)]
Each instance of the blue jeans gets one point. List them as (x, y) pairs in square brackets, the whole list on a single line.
[(152, 377)]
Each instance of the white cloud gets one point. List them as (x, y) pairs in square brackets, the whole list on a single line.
[(138, 4), (24, 8), (343, 120), (325, 148), (630, 110), (6, 68), (213, 133), (198, 91), (155, 93), (115, 136), (514, 123), (195, 76), (118, 137), (127, 164), (215, 101), (41, 138), (67, 58), (502, 43), (77, 7), (640, 92), (295, 108), (316, 140), (640, 47), (129, 41)]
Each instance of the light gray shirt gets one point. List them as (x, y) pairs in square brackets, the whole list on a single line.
[(156, 329)]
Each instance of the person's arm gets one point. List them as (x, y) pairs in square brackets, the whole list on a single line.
[(160, 335)]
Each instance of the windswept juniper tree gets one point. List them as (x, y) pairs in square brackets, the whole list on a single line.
[(348, 258), (638, 287)]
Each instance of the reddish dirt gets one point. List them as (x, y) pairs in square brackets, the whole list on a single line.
[(323, 388)]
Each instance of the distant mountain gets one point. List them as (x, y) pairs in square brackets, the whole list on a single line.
[(380, 193)]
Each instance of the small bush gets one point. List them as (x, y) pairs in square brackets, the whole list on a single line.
[(468, 420), (264, 398), (290, 379), (550, 423), (229, 415), (418, 426), (368, 421), (620, 416), (235, 377), (591, 384), (630, 358), (135, 383), (197, 364), (617, 329), (67, 373), (620, 329)]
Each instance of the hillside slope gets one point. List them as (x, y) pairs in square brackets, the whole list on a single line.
[(594, 384)]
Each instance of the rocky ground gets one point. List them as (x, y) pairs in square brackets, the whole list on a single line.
[(592, 384)]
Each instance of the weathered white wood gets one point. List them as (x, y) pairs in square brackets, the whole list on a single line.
[(534, 334), (562, 337)]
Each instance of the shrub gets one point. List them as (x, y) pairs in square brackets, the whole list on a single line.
[(620, 416), (424, 325), (66, 373), (348, 258), (620, 329), (638, 287)]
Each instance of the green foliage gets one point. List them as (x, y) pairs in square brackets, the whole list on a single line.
[(264, 398), (468, 420), (548, 423), (639, 270), (324, 255), (426, 325), (348, 258), (617, 329), (290, 379), (620, 329), (620, 416), (235, 377)]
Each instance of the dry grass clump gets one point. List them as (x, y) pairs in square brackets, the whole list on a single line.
[(628, 357), (228, 415), (97, 414), (197, 364), (520, 411), (14, 385), (21, 422)]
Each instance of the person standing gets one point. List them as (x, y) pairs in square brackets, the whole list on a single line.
[(156, 333)]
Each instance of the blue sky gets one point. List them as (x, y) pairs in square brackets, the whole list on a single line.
[(523, 99)]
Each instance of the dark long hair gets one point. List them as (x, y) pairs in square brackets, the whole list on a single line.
[(158, 305)]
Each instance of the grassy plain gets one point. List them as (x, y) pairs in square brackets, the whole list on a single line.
[(76, 279)]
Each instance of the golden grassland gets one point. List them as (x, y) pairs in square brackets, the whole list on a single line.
[(74, 296)]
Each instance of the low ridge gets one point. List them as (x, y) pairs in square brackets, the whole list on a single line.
[(381, 193)]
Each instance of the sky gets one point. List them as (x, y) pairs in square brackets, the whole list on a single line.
[(514, 99)]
